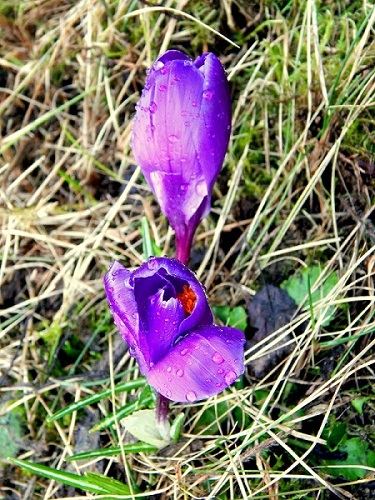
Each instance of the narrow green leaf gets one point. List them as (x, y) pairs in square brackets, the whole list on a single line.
[(108, 484), (121, 413), (176, 426), (122, 387), (63, 477), (139, 447)]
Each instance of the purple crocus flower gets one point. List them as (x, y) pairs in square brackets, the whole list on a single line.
[(180, 136), (162, 312)]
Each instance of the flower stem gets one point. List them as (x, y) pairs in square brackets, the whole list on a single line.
[(183, 246), (162, 422)]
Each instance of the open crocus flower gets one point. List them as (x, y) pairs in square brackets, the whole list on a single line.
[(162, 312), (180, 135)]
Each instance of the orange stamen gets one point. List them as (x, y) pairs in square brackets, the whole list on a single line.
[(187, 298)]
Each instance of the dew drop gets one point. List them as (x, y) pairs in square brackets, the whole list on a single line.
[(163, 70), (169, 369), (218, 384), (208, 380), (162, 88), (172, 138), (158, 65), (220, 371), (230, 377), (207, 94), (183, 113), (229, 341), (187, 124), (180, 373), (194, 104), (217, 358), (191, 396), (153, 107), (152, 263), (168, 394), (132, 351), (183, 187), (201, 188), (183, 352)]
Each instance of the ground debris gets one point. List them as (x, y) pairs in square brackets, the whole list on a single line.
[(270, 310)]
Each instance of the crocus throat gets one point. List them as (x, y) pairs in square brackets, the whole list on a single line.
[(187, 298)]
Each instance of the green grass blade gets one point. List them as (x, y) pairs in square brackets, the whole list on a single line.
[(64, 477), (139, 447), (123, 387)]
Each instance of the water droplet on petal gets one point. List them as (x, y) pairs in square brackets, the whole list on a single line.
[(162, 88), (230, 377), (180, 373), (220, 371), (152, 263), (153, 107), (194, 104), (217, 358), (183, 113), (207, 94), (169, 369), (183, 352), (169, 394), (187, 124), (158, 65), (183, 187), (208, 380), (172, 138), (229, 341), (163, 70), (191, 396), (201, 188)]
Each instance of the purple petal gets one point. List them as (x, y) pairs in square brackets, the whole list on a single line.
[(177, 274), (180, 135), (214, 129), (201, 365), (120, 295), (166, 120), (163, 319)]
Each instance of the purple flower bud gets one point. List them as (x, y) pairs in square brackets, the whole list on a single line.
[(180, 136), (162, 312)]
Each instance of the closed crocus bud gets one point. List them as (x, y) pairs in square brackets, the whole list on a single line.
[(162, 312), (180, 136)]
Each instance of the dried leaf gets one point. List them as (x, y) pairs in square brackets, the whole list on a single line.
[(270, 309)]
